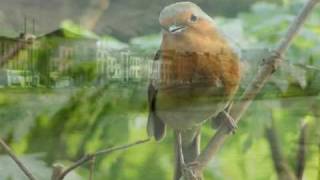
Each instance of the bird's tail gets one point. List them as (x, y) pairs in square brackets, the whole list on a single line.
[(190, 141)]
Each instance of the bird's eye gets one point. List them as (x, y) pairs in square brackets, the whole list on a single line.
[(193, 18)]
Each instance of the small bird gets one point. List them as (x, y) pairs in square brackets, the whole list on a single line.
[(199, 75)]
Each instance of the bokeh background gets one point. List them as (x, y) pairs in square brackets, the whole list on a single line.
[(58, 101)]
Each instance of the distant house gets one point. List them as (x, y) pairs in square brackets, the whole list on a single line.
[(14, 73), (72, 45), (51, 54), (10, 78), (22, 78), (63, 57)]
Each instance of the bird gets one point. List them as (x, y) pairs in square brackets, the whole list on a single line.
[(199, 74)]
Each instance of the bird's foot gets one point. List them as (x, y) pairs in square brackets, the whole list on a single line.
[(191, 171), (230, 122)]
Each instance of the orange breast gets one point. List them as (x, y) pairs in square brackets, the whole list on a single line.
[(219, 69), (197, 80)]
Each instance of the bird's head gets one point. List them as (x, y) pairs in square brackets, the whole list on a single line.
[(181, 17)]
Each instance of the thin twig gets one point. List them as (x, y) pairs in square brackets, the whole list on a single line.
[(301, 155), (16, 160), (267, 69), (89, 157), (296, 25)]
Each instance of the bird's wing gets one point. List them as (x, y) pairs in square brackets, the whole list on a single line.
[(155, 127)]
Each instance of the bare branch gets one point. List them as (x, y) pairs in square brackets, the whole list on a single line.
[(281, 165), (295, 26), (12, 52), (89, 157), (267, 69), (91, 172), (22, 43), (16, 160), (301, 155), (94, 13)]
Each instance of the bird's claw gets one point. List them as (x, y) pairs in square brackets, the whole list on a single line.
[(191, 170), (192, 165), (231, 123)]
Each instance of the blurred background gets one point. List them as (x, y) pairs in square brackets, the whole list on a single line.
[(74, 75)]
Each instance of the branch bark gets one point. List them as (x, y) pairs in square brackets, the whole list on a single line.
[(91, 172), (301, 155), (94, 13), (22, 43), (267, 69), (23, 168), (280, 163), (89, 157)]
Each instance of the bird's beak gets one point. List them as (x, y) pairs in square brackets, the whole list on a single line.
[(176, 29)]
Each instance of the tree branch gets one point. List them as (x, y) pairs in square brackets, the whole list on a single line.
[(268, 67), (301, 155), (91, 171), (94, 13), (16, 160), (281, 165), (22, 43), (89, 157)]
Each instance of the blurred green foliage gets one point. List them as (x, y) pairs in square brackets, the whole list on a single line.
[(64, 123)]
